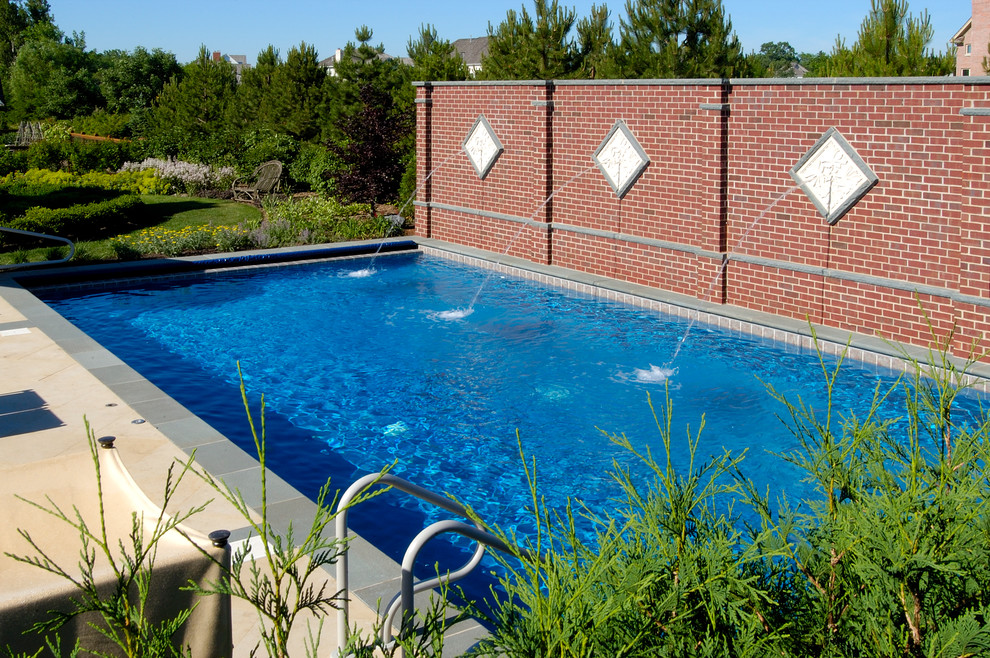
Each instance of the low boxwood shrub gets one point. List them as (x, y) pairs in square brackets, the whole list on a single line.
[(83, 221)]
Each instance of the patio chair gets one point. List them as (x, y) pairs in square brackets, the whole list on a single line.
[(264, 180)]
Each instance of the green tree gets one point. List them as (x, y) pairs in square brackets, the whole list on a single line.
[(774, 60), (815, 63), (435, 59), (52, 79), (678, 39), (190, 113), (22, 21), (891, 42), (132, 81), (296, 94), (249, 107), (595, 47), (362, 64), (537, 47)]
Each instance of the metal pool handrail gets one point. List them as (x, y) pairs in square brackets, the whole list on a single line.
[(408, 588), (72, 248)]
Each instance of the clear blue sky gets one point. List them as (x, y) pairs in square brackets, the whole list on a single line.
[(246, 27)]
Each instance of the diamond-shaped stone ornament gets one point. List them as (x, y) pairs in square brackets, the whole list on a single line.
[(833, 176), (620, 158), (482, 146)]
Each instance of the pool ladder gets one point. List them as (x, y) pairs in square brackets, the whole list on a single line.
[(403, 601), (72, 248)]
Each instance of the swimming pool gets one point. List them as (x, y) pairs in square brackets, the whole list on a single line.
[(361, 371)]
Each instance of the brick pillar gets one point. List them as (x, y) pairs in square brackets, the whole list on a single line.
[(424, 163), (547, 244)]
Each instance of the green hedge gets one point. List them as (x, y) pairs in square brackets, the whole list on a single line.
[(18, 199), (88, 221)]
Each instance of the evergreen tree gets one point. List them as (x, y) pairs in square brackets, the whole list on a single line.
[(891, 42), (815, 63), (191, 112), (678, 39), (435, 59), (296, 95), (537, 47), (250, 107), (595, 49), (360, 65)]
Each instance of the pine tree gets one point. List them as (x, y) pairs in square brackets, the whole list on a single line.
[(360, 65), (435, 59), (678, 39), (891, 42), (250, 106), (296, 94), (537, 47), (595, 49), (192, 111)]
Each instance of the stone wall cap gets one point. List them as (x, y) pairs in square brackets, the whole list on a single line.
[(717, 82)]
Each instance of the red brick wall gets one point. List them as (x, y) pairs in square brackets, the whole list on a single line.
[(718, 184)]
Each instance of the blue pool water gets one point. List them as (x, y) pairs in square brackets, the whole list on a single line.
[(359, 372)]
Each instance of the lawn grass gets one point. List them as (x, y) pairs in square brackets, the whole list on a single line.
[(174, 212), (170, 212)]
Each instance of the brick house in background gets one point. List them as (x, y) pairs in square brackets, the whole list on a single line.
[(972, 39)]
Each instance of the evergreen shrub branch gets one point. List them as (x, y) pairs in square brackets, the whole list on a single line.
[(888, 556), (122, 608)]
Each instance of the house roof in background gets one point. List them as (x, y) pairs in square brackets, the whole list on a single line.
[(472, 49)]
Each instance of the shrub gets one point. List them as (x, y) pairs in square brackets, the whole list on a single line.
[(317, 219), (81, 222), (232, 238), (889, 558), (314, 168), (264, 145), (103, 124), (47, 154), (121, 607), (40, 184), (21, 192), (101, 156), (185, 176), (12, 160)]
